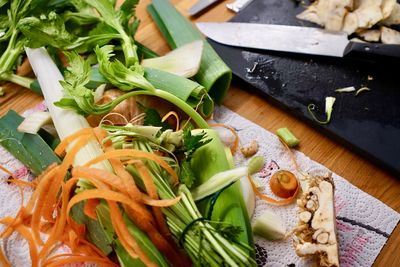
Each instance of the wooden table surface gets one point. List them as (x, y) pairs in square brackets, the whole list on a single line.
[(360, 172)]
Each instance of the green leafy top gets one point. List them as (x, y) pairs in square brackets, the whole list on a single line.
[(192, 142)]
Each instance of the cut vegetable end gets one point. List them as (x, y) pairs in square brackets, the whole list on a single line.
[(287, 137), (34, 122), (269, 226), (183, 61)]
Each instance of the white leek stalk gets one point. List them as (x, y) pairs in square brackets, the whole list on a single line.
[(66, 122), (33, 122), (183, 61), (223, 179)]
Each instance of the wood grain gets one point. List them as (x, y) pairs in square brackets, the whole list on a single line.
[(358, 171)]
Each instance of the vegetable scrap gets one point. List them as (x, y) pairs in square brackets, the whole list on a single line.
[(249, 150), (286, 136), (346, 89), (270, 226), (316, 232), (362, 89), (369, 20), (329, 102), (283, 183)]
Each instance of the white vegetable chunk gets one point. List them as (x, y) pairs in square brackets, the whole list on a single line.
[(390, 36), (370, 35), (394, 17)]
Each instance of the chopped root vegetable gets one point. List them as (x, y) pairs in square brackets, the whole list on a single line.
[(283, 184), (270, 200)]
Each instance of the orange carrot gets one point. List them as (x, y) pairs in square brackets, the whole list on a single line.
[(90, 208), (60, 149), (235, 144), (270, 200), (152, 191), (136, 154), (3, 260), (51, 197)]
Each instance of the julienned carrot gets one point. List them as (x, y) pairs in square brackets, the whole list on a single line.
[(89, 209), (51, 197), (108, 178), (235, 144), (38, 201), (60, 149), (118, 223), (127, 180), (152, 191), (270, 200), (135, 154), (27, 235), (3, 260)]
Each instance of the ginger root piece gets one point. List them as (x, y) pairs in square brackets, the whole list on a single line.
[(316, 231)]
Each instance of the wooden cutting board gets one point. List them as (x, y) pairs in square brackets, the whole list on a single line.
[(368, 123)]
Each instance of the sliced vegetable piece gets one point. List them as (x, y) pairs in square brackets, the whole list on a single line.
[(30, 149), (183, 61), (283, 183), (287, 137), (329, 102), (214, 75), (33, 122), (270, 226)]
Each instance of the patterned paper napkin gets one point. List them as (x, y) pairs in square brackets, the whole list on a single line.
[(364, 223)]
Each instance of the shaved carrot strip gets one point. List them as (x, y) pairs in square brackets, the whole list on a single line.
[(137, 154), (22, 183), (40, 199), (108, 178), (3, 260), (118, 223), (26, 234), (270, 200), (235, 144), (107, 195), (126, 178), (90, 208), (60, 149), (152, 191), (51, 197), (8, 172)]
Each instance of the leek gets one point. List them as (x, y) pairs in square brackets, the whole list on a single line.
[(30, 149), (213, 74), (229, 207), (68, 122), (225, 178), (189, 91), (183, 61)]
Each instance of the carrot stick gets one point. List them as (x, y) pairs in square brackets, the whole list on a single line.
[(3, 260), (79, 259), (136, 154)]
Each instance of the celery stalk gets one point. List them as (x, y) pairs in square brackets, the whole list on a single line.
[(207, 161), (214, 74)]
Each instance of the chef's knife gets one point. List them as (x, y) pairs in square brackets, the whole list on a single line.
[(294, 39)]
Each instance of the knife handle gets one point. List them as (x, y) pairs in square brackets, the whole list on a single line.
[(384, 53)]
